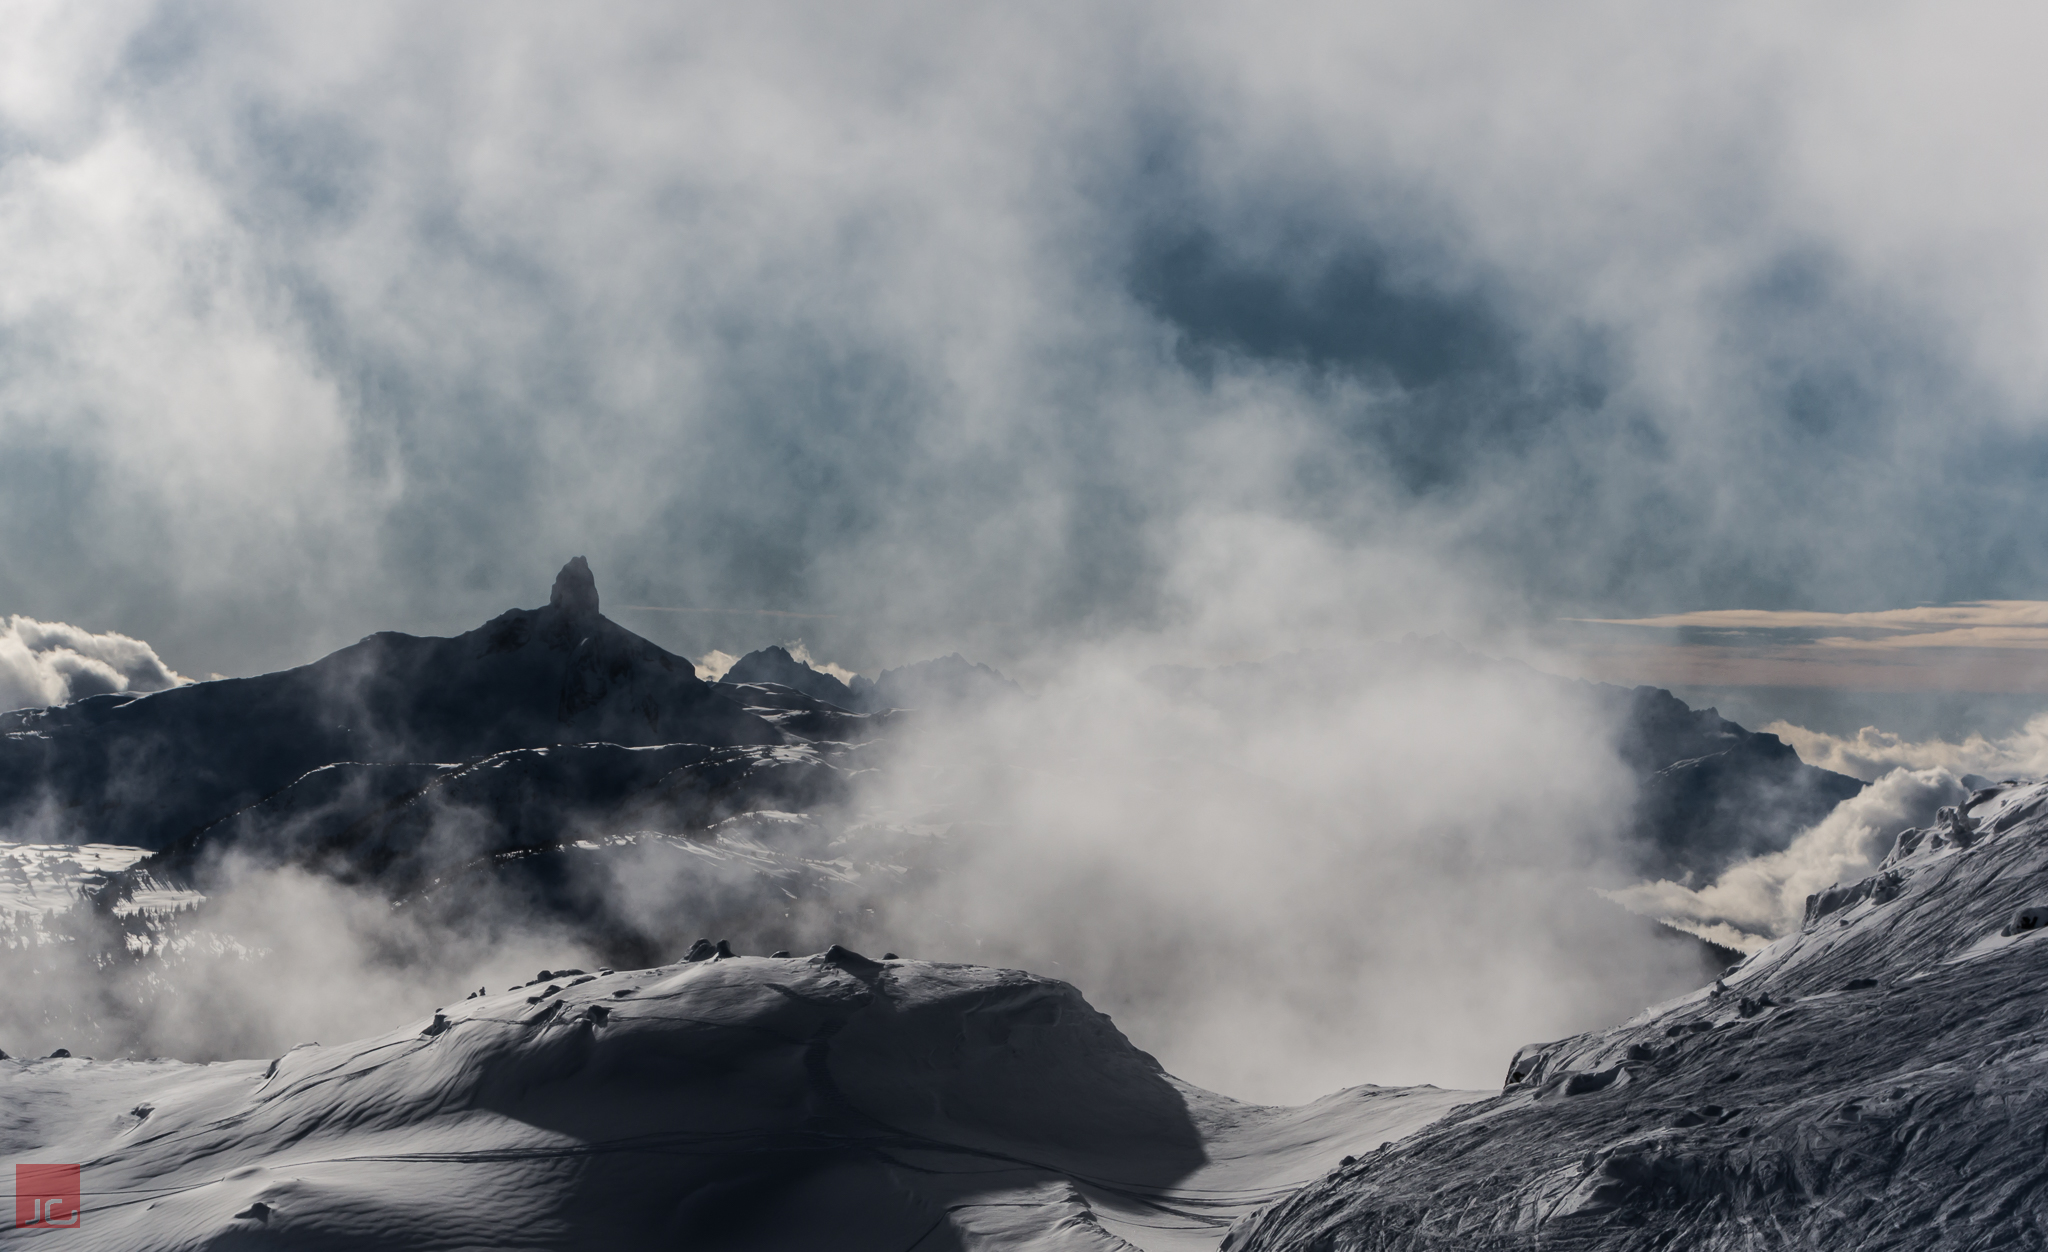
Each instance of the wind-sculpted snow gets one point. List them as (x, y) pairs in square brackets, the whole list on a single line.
[(1877, 1080), (829, 1101)]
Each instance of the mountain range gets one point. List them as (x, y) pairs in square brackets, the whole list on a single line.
[(408, 762), (1866, 1082), (1873, 1081)]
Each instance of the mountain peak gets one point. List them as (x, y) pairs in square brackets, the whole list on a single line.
[(575, 588)]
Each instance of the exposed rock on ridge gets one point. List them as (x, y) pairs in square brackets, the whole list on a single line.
[(775, 665), (575, 589), (942, 682), (147, 770)]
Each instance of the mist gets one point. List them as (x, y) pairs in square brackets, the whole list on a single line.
[(953, 328), (1079, 341), (1381, 878), (270, 958), (1871, 752)]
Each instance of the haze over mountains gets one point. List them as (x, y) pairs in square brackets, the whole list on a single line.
[(552, 778), (1069, 488), (419, 765)]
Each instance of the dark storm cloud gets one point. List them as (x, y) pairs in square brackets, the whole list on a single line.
[(970, 329)]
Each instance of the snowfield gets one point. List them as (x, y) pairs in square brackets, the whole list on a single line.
[(825, 1101), (40, 883)]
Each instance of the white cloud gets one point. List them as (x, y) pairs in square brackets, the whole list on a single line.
[(1873, 753), (349, 312), (711, 666), (1322, 877), (1765, 897), (43, 663), (1975, 614)]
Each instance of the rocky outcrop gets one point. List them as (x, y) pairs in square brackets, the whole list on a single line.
[(575, 590), (1711, 792), (399, 826), (945, 681)]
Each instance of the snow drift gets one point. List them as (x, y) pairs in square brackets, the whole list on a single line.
[(740, 1102)]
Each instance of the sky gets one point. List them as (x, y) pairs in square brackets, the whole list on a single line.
[(906, 328), (1692, 345)]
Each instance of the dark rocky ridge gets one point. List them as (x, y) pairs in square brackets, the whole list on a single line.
[(550, 752), (400, 826), (150, 770), (1711, 792), (775, 665)]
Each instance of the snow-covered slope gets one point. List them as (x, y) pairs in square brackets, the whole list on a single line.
[(1877, 1080), (44, 886), (758, 1103)]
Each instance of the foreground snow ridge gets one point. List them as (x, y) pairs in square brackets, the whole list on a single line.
[(1877, 1080), (743, 1102)]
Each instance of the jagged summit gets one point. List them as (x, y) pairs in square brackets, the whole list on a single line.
[(528, 678), (775, 665), (575, 588)]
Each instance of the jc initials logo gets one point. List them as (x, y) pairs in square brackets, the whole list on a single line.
[(45, 1197)]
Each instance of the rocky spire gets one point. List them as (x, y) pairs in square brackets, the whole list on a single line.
[(575, 588)]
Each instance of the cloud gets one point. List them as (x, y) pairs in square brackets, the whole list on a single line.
[(1384, 872), (273, 958), (1765, 897), (711, 666), (1983, 615), (44, 663), (1975, 646), (1872, 752), (1140, 332), (951, 327), (1982, 624)]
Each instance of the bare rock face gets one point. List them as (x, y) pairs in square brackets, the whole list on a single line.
[(776, 665), (575, 589)]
